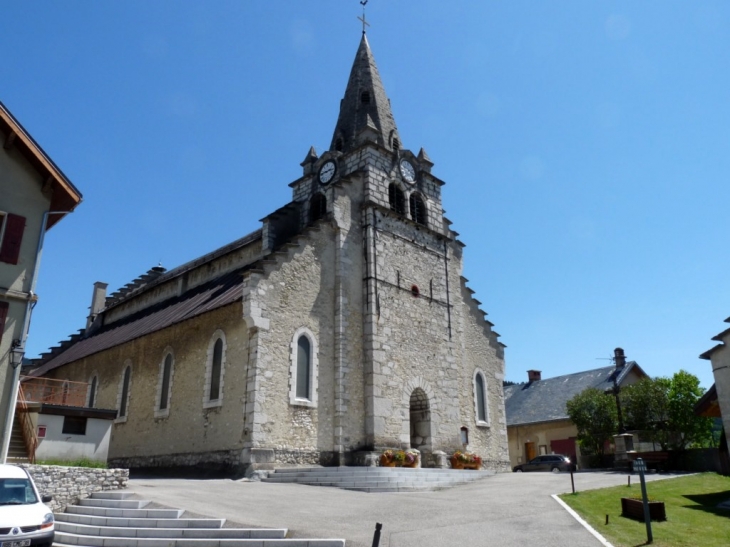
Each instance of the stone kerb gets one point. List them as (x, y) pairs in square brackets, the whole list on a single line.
[(68, 485)]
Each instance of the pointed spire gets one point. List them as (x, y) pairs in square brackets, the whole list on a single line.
[(311, 156), (364, 106)]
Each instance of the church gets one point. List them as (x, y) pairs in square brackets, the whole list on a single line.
[(340, 328)]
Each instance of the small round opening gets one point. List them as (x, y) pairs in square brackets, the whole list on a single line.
[(415, 291)]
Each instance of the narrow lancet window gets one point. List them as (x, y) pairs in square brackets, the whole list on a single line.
[(215, 371), (304, 358), (125, 393)]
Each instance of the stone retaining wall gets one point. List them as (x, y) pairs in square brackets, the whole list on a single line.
[(68, 485), (218, 459)]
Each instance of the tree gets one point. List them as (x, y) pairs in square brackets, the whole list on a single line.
[(688, 428), (664, 409), (646, 408), (594, 414)]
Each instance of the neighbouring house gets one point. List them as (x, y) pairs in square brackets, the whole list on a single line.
[(719, 357), (34, 196), (57, 421), (537, 418), (709, 407), (340, 328)]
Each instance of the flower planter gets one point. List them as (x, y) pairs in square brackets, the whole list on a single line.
[(458, 464), (634, 509), (399, 458), (385, 462)]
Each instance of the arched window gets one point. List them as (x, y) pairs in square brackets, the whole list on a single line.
[(164, 385), (123, 395), (304, 364), (214, 370), (418, 209), (317, 207), (365, 97), (396, 199), (91, 398), (480, 398), (339, 145)]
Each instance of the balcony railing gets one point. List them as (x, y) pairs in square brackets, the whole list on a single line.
[(27, 429), (54, 392)]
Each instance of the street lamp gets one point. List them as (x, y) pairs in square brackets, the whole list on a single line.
[(16, 354)]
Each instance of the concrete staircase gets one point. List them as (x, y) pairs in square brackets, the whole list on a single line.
[(116, 519), (377, 479), (16, 450)]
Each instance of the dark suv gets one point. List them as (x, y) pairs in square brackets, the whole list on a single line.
[(550, 462)]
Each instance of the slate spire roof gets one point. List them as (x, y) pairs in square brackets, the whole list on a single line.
[(365, 106)]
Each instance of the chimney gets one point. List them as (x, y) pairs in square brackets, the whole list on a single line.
[(619, 358), (98, 299), (534, 375)]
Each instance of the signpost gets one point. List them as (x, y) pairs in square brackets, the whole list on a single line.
[(640, 466)]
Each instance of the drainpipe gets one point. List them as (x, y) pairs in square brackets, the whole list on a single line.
[(31, 302)]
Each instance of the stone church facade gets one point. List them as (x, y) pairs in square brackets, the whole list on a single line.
[(340, 328)]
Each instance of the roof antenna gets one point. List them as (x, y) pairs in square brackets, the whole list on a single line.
[(363, 3)]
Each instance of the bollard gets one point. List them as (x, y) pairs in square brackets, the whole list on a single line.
[(572, 482), (376, 535), (629, 485)]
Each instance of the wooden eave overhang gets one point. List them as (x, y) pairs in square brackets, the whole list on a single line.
[(65, 196)]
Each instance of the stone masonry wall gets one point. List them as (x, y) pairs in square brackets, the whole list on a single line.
[(68, 485), (189, 427)]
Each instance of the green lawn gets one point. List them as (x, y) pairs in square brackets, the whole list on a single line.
[(692, 519)]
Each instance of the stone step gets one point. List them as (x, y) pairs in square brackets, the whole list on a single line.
[(116, 522), (377, 479), (424, 477), (64, 539), (125, 513), (114, 503), (172, 533), (112, 495), (377, 470)]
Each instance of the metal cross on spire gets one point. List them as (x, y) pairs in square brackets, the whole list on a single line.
[(364, 22)]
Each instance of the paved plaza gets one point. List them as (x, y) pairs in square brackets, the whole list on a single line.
[(506, 509)]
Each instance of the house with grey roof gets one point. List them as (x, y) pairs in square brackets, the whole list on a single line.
[(537, 418)]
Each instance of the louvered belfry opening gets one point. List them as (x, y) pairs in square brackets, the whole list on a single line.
[(397, 201), (317, 208), (418, 209)]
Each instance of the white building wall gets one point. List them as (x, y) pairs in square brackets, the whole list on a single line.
[(56, 445)]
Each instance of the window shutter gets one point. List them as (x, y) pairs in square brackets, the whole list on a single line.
[(3, 315), (10, 249)]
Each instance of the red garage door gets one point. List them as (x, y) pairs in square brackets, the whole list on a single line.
[(564, 446)]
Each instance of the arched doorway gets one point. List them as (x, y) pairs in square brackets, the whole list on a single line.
[(420, 418)]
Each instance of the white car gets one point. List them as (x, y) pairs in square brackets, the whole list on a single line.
[(24, 519)]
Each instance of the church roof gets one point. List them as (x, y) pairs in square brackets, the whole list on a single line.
[(213, 294), (364, 106), (544, 400)]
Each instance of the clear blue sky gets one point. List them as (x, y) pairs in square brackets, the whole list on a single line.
[(585, 147)]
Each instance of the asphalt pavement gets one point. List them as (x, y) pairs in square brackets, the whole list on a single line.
[(503, 510)]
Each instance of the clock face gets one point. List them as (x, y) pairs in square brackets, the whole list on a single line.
[(407, 171), (327, 171)]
